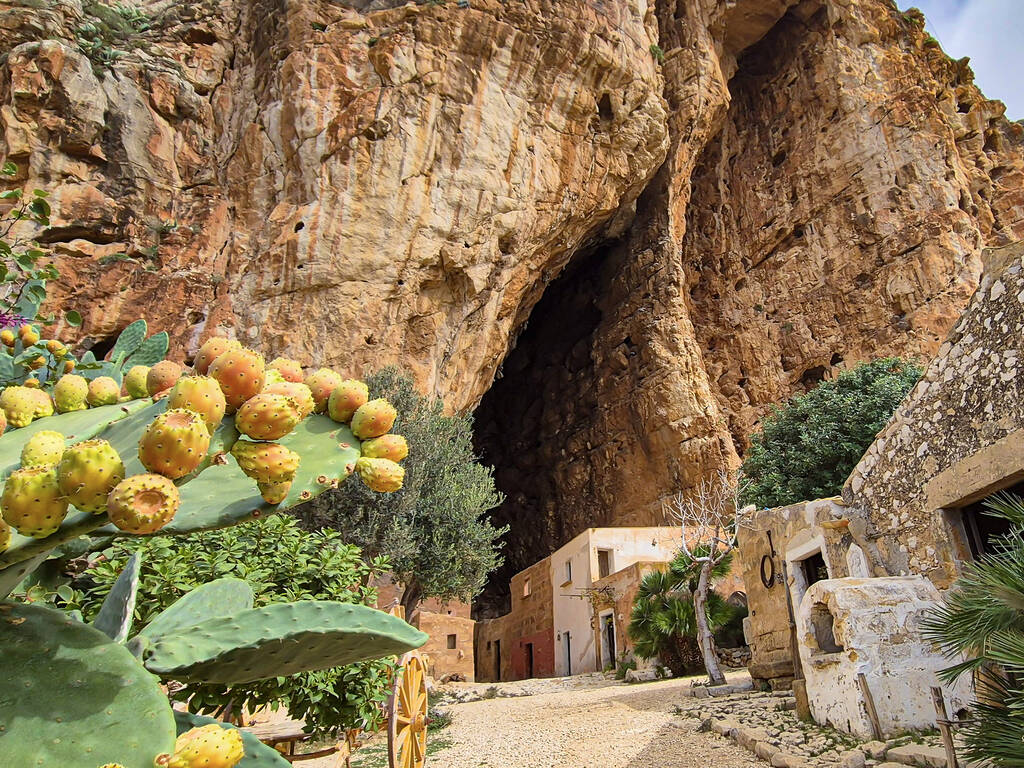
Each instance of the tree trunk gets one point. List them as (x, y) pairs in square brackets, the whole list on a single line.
[(704, 636), (411, 597)]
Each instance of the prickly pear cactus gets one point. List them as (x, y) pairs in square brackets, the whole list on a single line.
[(257, 754), (72, 697)]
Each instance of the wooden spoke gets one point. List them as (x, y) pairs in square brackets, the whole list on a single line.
[(407, 715)]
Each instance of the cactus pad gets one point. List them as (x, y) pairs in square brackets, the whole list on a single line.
[(280, 639), (58, 672), (115, 616), (223, 597)]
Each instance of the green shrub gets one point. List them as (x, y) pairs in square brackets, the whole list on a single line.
[(657, 53), (281, 563), (807, 447)]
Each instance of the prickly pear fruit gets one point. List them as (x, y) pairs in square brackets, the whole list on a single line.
[(266, 462), (19, 405), (3, 422), (273, 493), (70, 393), (298, 392), (43, 449), (162, 376), (69, 366), (43, 404), (143, 503), (207, 747), (346, 398), (103, 391), (267, 417), (32, 502), (7, 337), (5, 535), (212, 349), (291, 370), (111, 765), (392, 447), (36, 363), (240, 373), (56, 349), (373, 419), (135, 382), (381, 475), (202, 395), (272, 377), (33, 383), (87, 472), (321, 384), (29, 336), (175, 443)]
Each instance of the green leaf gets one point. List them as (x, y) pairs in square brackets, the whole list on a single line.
[(9, 169), (73, 318), (129, 339)]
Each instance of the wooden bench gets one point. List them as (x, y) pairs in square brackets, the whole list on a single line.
[(284, 736)]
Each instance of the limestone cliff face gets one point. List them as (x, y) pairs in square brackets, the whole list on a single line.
[(639, 255)]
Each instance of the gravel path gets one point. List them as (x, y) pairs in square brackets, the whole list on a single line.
[(574, 723)]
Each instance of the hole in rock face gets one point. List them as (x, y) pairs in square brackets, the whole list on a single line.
[(532, 425), (604, 108)]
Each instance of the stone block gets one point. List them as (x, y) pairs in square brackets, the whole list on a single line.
[(765, 751), (919, 755), (723, 727), (786, 760), (853, 758), (875, 749), (748, 737)]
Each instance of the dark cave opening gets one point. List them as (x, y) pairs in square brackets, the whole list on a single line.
[(530, 426)]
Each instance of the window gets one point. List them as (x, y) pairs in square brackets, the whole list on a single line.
[(982, 527), (568, 570), (815, 569), (526, 587), (452, 639), (604, 562)]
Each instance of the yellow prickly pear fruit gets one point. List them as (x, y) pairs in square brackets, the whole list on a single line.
[(7, 337), (69, 366), (111, 765), (274, 493), (210, 746), (298, 392), (321, 384), (346, 399), (43, 449), (19, 405), (56, 349), (240, 373), (103, 391), (70, 393), (87, 472), (143, 503), (162, 376), (37, 362), (267, 417), (291, 370), (272, 377), (136, 382), (32, 502), (5, 536), (392, 447), (3, 422), (202, 395), (32, 383), (266, 462), (381, 475), (29, 335), (373, 419), (175, 443), (42, 402), (212, 349)]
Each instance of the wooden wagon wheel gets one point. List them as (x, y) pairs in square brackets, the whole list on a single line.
[(407, 715)]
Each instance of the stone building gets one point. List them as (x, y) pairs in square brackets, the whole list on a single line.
[(558, 625), (909, 516)]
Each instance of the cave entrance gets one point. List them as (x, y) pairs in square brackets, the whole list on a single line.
[(532, 425)]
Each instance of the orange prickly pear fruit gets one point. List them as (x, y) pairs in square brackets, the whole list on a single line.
[(373, 419), (392, 447), (29, 335), (291, 370), (143, 503), (175, 443), (266, 462), (162, 376), (3, 422), (56, 349), (240, 373), (103, 391), (7, 337), (87, 472), (267, 417), (321, 384), (213, 348), (202, 395), (346, 399), (32, 383), (37, 362), (298, 392), (381, 475), (69, 366)]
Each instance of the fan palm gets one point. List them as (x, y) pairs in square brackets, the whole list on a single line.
[(982, 618), (663, 624)]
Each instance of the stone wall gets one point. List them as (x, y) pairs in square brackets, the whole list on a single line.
[(448, 658)]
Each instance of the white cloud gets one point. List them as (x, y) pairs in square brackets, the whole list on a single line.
[(991, 32)]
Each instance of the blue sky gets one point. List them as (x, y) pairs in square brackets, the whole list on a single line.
[(991, 32)]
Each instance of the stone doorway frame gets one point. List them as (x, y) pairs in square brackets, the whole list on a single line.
[(802, 547)]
